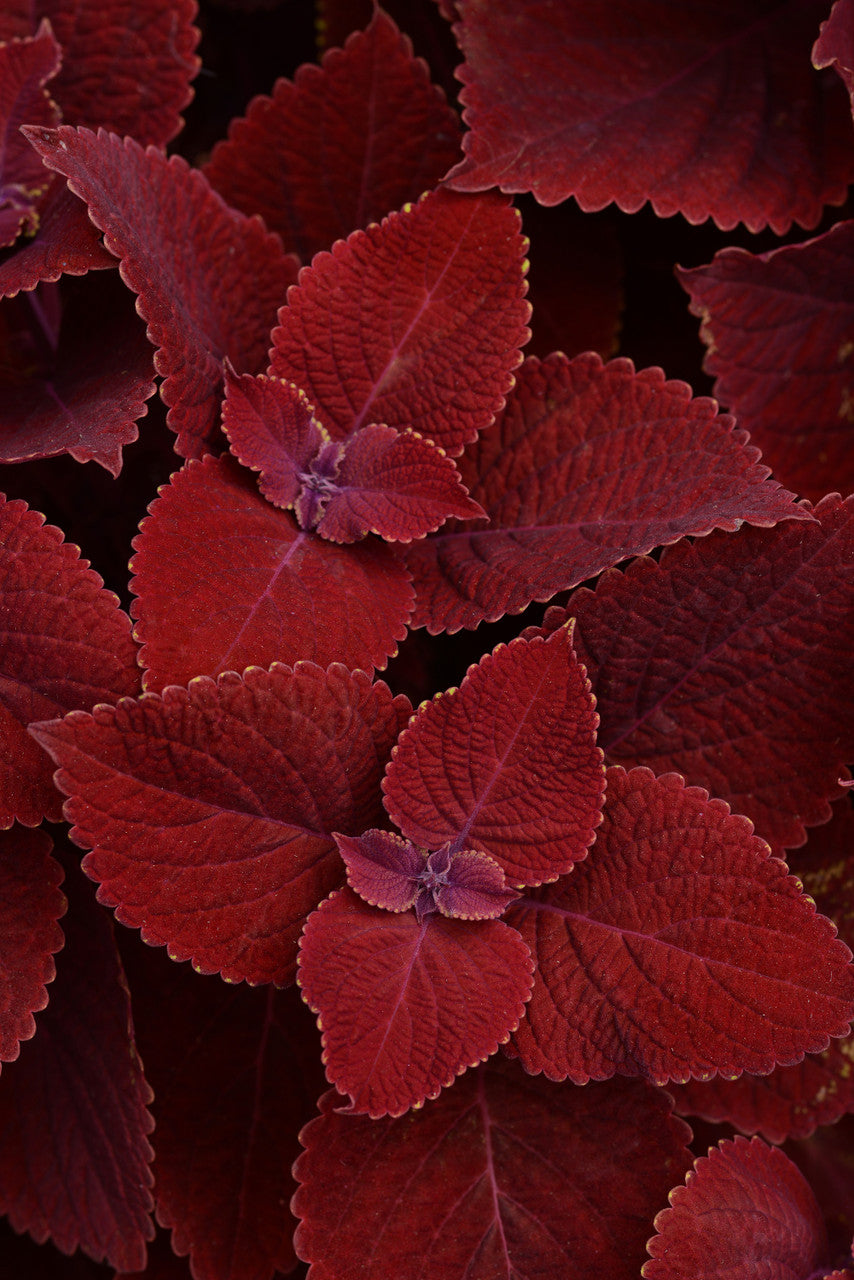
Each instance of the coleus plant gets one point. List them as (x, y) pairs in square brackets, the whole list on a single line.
[(561, 881)]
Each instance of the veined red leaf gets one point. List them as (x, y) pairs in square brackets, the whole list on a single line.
[(715, 110), (225, 580), (208, 279), (406, 1007), (65, 645), (362, 133), (382, 868), (66, 243), (502, 1176), (416, 322), (679, 948), (589, 463), (745, 1211), (779, 328), (209, 810), (25, 68), (30, 906), (835, 44)]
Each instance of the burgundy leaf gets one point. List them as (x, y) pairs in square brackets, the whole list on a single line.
[(74, 1154), (383, 868), (225, 580), (25, 68), (209, 809), (745, 1211), (30, 905), (709, 110), (162, 1264), (472, 888), (64, 645), (345, 142), (507, 764), (779, 328), (66, 243), (406, 1007), (416, 322), (835, 44), (208, 279), (590, 463), (679, 948), (501, 1176)]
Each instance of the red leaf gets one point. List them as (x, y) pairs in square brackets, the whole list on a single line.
[(707, 957), (590, 463), (406, 1007), (208, 279), (30, 905), (780, 335), (271, 429), (382, 868), (416, 322), (225, 580), (835, 44), (501, 1176), (74, 1153), (345, 142), (707, 110), (66, 243), (25, 68), (678, 654), (65, 645), (506, 764), (209, 810), (745, 1211)]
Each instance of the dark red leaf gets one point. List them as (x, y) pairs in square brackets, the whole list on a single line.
[(746, 1211), (383, 868), (472, 887), (224, 580), (271, 429), (501, 1176), (25, 68), (780, 335), (345, 142), (835, 44), (709, 110), (507, 763), (163, 1264), (208, 279), (209, 810), (678, 948), (406, 1007), (416, 322), (589, 463), (66, 243)]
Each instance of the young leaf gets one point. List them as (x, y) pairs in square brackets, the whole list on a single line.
[(25, 68)]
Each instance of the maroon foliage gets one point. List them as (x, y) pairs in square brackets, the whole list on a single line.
[(25, 68), (835, 44), (66, 243)]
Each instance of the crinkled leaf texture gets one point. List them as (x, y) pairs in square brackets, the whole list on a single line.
[(65, 645), (710, 109), (589, 463), (502, 1176), (746, 1211), (679, 948), (25, 68), (506, 764), (209, 810), (779, 328), (415, 322), (66, 243), (345, 142), (208, 279), (224, 580)]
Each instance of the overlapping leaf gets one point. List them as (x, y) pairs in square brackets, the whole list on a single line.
[(589, 463), (208, 279), (416, 322), (25, 68), (709, 110), (66, 243), (224, 580), (835, 44), (345, 142), (779, 328), (209, 810), (680, 949), (503, 1175)]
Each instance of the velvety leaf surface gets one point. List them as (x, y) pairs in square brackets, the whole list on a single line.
[(709, 110), (416, 322), (382, 868), (835, 44), (208, 810), (406, 1007), (66, 243), (588, 464), (74, 1153), (507, 763), (25, 68), (64, 645), (271, 429), (679, 948), (502, 1176), (208, 279), (746, 1211), (730, 662), (224, 579), (30, 905), (343, 144)]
